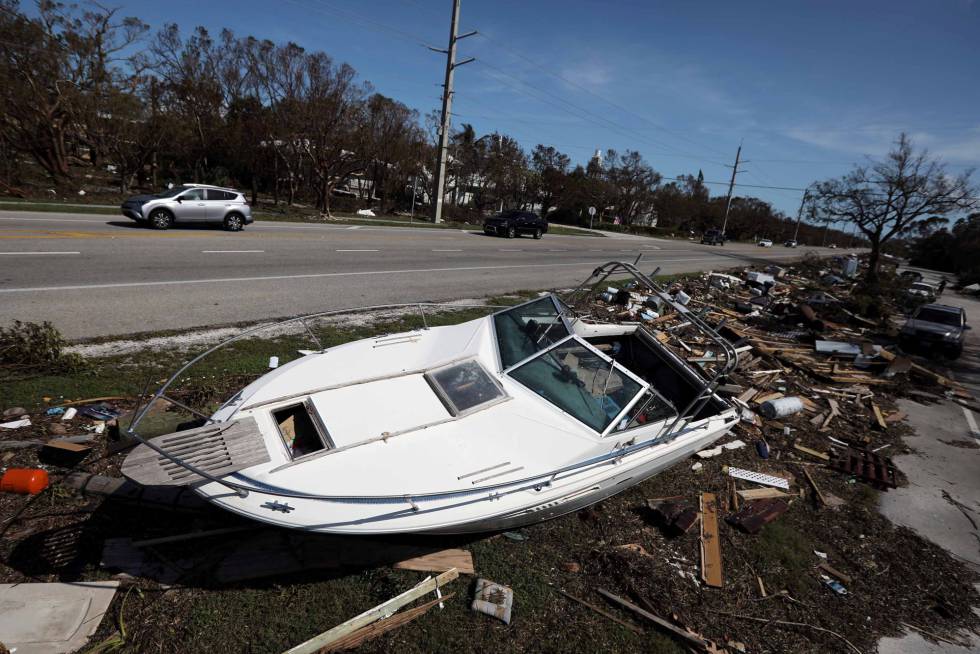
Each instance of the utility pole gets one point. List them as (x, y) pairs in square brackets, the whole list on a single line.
[(731, 187), (447, 101), (799, 214)]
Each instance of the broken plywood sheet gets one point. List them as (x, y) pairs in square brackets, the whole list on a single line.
[(52, 618)]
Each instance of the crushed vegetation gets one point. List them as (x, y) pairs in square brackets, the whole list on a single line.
[(781, 586), (27, 346)]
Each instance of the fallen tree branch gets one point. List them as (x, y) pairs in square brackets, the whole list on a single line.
[(784, 623)]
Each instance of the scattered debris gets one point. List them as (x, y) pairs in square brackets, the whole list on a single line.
[(867, 466), (16, 424), (51, 617), (589, 605), (493, 599), (757, 514), (710, 544), (688, 637), (28, 481), (677, 517), (345, 629), (759, 478)]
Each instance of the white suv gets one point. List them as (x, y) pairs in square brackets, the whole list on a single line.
[(190, 203)]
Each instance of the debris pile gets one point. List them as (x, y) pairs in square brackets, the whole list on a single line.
[(768, 540)]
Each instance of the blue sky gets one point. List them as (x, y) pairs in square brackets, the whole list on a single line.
[(808, 87)]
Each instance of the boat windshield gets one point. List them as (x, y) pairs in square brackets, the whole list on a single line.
[(580, 382), (527, 329)]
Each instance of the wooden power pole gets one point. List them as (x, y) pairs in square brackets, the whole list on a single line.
[(731, 187), (447, 102)]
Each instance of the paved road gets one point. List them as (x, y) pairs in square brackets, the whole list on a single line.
[(101, 275)]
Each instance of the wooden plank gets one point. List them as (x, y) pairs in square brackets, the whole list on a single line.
[(710, 543), (826, 567), (462, 560), (816, 488), (807, 450), (589, 605), (696, 640), (834, 412), (748, 395), (373, 615), (762, 494), (365, 634), (768, 396), (878, 416)]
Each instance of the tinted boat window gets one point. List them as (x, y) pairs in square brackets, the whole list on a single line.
[(579, 382), (527, 329), (465, 385)]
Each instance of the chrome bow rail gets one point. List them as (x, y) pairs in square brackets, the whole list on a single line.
[(599, 275)]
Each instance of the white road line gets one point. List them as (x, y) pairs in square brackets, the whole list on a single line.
[(971, 421), (356, 250), (447, 250), (229, 251), (354, 227), (62, 220), (222, 280), (29, 253), (511, 250), (557, 250)]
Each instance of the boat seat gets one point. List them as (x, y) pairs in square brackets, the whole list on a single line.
[(217, 449)]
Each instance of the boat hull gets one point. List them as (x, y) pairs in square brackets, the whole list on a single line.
[(509, 512)]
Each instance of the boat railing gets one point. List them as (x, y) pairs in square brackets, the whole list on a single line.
[(536, 481)]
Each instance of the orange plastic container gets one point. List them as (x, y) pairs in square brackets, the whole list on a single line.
[(24, 480)]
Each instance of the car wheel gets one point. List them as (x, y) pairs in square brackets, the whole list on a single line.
[(234, 222), (537, 233), (511, 232), (161, 219)]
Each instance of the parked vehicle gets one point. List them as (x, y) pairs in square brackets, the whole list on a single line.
[(911, 275), (832, 246), (935, 327), (713, 237), (765, 243), (790, 244), (521, 416), (190, 203), (515, 223), (922, 291)]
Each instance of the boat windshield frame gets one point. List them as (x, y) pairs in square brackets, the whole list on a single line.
[(560, 314), (624, 410)]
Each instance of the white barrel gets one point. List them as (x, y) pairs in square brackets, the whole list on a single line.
[(784, 406)]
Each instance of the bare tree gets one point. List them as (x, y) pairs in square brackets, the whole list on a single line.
[(894, 197)]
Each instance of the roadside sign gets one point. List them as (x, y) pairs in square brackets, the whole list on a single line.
[(591, 211)]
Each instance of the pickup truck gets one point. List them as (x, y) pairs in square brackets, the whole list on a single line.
[(713, 237), (935, 327)]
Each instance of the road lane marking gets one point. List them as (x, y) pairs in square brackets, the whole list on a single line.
[(26, 253), (222, 280), (356, 250), (447, 250), (971, 422), (509, 250), (229, 251)]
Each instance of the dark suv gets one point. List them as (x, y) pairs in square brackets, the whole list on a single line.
[(713, 237), (515, 223), (935, 327)]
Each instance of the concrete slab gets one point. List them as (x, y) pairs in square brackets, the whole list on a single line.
[(937, 466), (52, 618)]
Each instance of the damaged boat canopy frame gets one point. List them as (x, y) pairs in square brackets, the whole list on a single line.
[(567, 307)]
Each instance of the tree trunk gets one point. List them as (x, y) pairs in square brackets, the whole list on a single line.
[(874, 259)]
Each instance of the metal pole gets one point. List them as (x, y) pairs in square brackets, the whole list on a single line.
[(731, 186), (447, 101), (799, 214), (415, 183)]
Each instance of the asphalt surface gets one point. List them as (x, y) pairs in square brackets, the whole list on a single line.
[(943, 464), (97, 276)]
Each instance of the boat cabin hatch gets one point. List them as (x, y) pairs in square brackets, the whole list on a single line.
[(299, 430)]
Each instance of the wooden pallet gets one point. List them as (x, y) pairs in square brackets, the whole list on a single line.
[(218, 449)]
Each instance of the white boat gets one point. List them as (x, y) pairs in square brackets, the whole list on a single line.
[(498, 422)]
